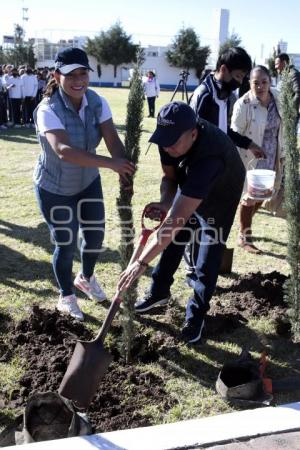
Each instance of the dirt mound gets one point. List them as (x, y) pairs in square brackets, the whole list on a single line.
[(46, 341), (252, 295)]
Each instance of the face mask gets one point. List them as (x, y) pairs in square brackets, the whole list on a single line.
[(231, 85)]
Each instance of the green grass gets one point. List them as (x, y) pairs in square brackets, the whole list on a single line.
[(26, 273)]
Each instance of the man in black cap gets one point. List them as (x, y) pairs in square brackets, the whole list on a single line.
[(202, 182)]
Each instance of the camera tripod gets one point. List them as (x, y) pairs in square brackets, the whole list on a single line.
[(181, 86)]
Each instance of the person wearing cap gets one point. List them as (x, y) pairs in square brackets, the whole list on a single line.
[(203, 177), (70, 122)]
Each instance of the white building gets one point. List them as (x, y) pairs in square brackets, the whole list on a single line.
[(282, 46), (155, 59), (220, 24)]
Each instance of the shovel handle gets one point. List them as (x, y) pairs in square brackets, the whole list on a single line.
[(114, 308), (145, 234)]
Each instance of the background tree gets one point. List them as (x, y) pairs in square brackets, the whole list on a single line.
[(234, 40), (112, 47), (21, 53), (134, 120), (271, 63), (292, 200), (186, 52)]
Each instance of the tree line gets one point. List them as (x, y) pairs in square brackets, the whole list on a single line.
[(115, 47)]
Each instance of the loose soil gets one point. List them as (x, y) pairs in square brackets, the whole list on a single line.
[(46, 341)]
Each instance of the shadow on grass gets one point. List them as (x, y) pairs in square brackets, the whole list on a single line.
[(273, 255), (20, 135), (265, 239), (16, 268), (40, 237), (37, 236)]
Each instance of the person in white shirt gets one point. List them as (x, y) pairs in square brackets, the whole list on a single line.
[(30, 87), (70, 121), (3, 109), (151, 90), (15, 94), (6, 74)]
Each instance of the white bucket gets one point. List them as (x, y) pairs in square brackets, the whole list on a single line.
[(260, 183)]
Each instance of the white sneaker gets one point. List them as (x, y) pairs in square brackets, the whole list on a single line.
[(68, 305), (3, 127), (17, 125), (91, 288)]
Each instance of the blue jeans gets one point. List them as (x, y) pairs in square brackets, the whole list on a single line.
[(64, 216), (207, 257)]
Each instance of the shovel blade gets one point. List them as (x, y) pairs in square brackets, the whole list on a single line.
[(86, 368)]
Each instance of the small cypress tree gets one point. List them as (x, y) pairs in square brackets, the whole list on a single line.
[(124, 202), (292, 201)]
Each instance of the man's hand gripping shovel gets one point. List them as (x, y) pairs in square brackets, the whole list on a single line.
[(90, 360)]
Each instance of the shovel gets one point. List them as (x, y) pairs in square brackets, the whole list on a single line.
[(88, 364), (90, 360)]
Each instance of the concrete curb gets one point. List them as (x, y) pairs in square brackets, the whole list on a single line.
[(194, 433)]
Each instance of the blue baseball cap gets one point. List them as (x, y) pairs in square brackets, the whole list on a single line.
[(172, 121), (71, 58)]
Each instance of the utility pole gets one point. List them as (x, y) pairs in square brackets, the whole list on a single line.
[(25, 18)]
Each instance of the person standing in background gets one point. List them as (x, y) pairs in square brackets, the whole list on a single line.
[(30, 87), (151, 90), (14, 87), (282, 62), (256, 114)]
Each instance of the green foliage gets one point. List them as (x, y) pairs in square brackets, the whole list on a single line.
[(21, 53), (292, 200), (112, 47), (233, 41), (271, 63), (134, 120), (186, 52)]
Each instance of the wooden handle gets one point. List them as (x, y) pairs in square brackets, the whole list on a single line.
[(114, 308)]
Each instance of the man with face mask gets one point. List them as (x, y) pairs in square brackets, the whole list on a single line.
[(213, 99)]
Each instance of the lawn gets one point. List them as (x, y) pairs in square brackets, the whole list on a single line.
[(26, 278)]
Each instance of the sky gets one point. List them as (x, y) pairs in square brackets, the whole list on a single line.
[(260, 24)]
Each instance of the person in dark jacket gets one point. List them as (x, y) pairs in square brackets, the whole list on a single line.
[(213, 99), (203, 177), (282, 62)]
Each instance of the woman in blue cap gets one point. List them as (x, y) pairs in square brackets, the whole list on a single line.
[(71, 121)]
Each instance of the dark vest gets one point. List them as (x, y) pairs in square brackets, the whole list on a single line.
[(220, 205)]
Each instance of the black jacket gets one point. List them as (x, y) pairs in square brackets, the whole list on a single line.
[(202, 102), (295, 78)]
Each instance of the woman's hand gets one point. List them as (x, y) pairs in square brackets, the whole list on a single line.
[(132, 272), (123, 167), (257, 151)]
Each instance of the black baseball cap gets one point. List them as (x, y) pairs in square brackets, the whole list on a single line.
[(71, 58), (172, 121)]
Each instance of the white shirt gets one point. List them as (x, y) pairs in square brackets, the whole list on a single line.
[(222, 111), (47, 120), (15, 87), (30, 85), (151, 87)]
